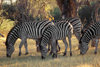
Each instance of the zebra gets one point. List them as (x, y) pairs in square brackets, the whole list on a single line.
[(52, 33), (84, 30), (77, 25), (92, 32), (32, 30)]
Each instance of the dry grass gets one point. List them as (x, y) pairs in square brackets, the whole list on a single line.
[(33, 59)]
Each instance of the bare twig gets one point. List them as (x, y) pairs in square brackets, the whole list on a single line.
[(1, 35)]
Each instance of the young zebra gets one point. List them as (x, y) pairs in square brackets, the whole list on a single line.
[(32, 30), (52, 33), (92, 32)]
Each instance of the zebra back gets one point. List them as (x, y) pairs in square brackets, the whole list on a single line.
[(58, 31), (92, 32), (27, 30), (75, 23)]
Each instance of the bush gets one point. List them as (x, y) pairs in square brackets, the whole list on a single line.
[(56, 13), (9, 11)]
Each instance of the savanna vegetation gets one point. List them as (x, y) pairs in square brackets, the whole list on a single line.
[(12, 12), (33, 59)]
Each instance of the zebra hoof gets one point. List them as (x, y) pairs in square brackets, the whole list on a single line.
[(54, 56), (50, 53), (26, 53), (64, 54), (70, 54), (19, 54), (8, 56), (95, 52), (42, 57)]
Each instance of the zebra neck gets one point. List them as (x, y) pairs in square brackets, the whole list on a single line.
[(12, 37), (87, 37)]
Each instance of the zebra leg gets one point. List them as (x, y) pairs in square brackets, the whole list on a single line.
[(78, 35), (20, 46), (96, 46), (66, 44), (93, 42), (51, 52), (37, 45), (49, 45), (54, 48), (25, 45), (69, 39), (58, 46)]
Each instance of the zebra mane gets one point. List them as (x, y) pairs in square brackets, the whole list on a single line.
[(6, 43)]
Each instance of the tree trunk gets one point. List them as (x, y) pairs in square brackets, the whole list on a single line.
[(68, 7)]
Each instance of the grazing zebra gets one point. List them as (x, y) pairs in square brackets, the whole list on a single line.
[(77, 25), (92, 32), (52, 33), (32, 30), (85, 27)]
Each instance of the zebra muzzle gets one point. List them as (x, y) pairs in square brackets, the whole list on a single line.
[(8, 56), (42, 57)]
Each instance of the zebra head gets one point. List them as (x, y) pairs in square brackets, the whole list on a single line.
[(83, 47), (43, 45), (43, 52), (9, 49)]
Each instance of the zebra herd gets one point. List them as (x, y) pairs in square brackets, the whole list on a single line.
[(49, 32)]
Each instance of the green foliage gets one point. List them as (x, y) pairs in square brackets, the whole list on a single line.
[(56, 13), (85, 14), (9, 11), (34, 9)]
